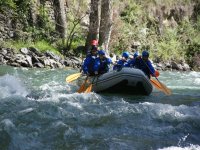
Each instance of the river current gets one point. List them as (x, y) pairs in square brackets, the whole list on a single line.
[(40, 111)]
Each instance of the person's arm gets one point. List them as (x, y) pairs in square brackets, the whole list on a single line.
[(115, 67), (151, 68), (85, 65), (131, 63)]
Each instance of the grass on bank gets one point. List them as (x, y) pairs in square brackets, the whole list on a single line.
[(41, 45)]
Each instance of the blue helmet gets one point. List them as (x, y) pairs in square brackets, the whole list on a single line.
[(145, 53), (101, 52), (125, 54), (135, 54)]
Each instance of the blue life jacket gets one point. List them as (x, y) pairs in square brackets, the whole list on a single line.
[(120, 64), (102, 65), (88, 65), (145, 66)]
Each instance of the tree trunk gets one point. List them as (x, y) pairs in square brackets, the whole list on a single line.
[(34, 11), (94, 22), (60, 17), (105, 24)]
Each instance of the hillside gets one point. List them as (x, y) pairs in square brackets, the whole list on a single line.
[(168, 29)]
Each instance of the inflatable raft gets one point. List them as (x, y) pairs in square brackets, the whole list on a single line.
[(127, 81)]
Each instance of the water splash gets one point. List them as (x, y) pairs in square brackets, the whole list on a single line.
[(10, 86), (191, 147)]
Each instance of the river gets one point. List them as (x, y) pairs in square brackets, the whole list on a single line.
[(40, 111)]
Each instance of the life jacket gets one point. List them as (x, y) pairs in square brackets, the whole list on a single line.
[(91, 64), (88, 65), (141, 64), (121, 63), (104, 65)]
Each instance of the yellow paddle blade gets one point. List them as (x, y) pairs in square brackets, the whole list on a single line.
[(160, 86), (73, 77), (89, 89)]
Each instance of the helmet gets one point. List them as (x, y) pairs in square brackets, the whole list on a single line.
[(145, 53), (135, 54), (125, 54), (101, 52), (94, 42)]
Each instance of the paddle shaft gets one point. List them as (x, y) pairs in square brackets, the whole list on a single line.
[(166, 90)]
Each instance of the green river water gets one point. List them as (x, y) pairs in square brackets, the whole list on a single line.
[(40, 111)]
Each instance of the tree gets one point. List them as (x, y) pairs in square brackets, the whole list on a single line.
[(60, 17), (105, 24), (94, 22)]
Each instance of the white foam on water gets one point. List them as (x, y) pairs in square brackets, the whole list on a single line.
[(11, 85), (18, 140), (171, 113), (25, 111), (184, 87), (191, 147)]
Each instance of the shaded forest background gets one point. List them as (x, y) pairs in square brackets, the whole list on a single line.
[(168, 29)]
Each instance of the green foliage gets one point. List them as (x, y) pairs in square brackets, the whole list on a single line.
[(43, 19), (139, 25), (137, 22), (75, 32), (132, 13), (44, 46), (7, 4), (40, 45), (192, 50)]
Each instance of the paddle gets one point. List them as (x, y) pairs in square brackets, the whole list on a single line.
[(89, 88), (82, 87), (160, 86), (73, 77)]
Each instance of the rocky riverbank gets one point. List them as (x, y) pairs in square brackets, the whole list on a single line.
[(31, 57)]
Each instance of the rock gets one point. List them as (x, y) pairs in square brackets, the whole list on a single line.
[(14, 64), (196, 62), (4, 51), (22, 63), (29, 60), (35, 59), (186, 67), (168, 65), (176, 66), (35, 51), (19, 57), (38, 64), (1, 59), (24, 51), (67, 63), (52, 56), (47, 62)]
